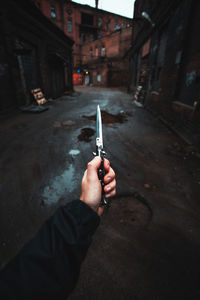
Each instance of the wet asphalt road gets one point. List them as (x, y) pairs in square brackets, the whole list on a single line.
[(147, 246)]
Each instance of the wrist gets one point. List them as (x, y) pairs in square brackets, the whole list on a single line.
[(90, 204)]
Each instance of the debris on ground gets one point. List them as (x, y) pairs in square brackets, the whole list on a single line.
[(67, 123), (38, 96), (138, 104), (33, 109), (57, 124)]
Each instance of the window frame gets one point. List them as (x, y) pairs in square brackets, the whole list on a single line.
[(69, 25), (53, 11)]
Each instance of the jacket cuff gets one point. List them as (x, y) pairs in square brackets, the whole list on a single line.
[(86, 218)]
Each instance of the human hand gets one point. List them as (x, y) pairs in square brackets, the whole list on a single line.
[(91, 186)]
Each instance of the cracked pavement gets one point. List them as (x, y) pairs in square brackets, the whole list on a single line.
[(147, 245)]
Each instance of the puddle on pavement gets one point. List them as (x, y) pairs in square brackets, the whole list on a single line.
[(108, 118), (86, 134), (74, 152), (60, 185)]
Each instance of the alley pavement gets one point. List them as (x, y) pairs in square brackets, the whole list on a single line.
[(147, 245)]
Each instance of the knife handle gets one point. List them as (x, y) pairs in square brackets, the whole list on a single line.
[(101, 174)]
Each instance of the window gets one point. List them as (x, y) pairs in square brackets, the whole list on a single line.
[(53, 12), (100, 22), (82, 37), (122, 26), (69, 11), (98, 77), (99, 35), (128, 25), (108, 25), (116, 25), (103, 51), (87, 19), (91, 37), (69, 25)]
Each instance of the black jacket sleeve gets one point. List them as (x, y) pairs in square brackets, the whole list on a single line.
[(48, 266)]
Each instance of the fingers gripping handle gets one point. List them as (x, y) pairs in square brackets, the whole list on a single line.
[(101, 174)]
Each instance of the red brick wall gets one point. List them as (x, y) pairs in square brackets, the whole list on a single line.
[(113, 67), (75, 15), (116, 44), (44, 5)]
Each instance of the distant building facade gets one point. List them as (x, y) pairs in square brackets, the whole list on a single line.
[(165, 60), (104, 62), (85, 25), (34, 53)]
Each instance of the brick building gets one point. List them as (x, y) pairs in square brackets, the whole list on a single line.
[(33, 53), (103, 60), (165, 60), (82, 23)]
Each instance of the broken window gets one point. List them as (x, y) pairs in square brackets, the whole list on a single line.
[(69, 25), (53, 12)]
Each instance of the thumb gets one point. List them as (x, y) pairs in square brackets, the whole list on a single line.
[(93, 166)]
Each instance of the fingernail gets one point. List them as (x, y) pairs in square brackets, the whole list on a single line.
[(108, 188), (108, 179)]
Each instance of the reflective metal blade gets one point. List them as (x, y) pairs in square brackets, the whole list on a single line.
[(99, 139)]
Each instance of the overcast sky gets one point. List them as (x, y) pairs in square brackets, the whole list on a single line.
[(123, 8)]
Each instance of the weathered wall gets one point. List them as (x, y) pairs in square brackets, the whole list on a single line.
[(36, 53), (172, 82), (106, 57)]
